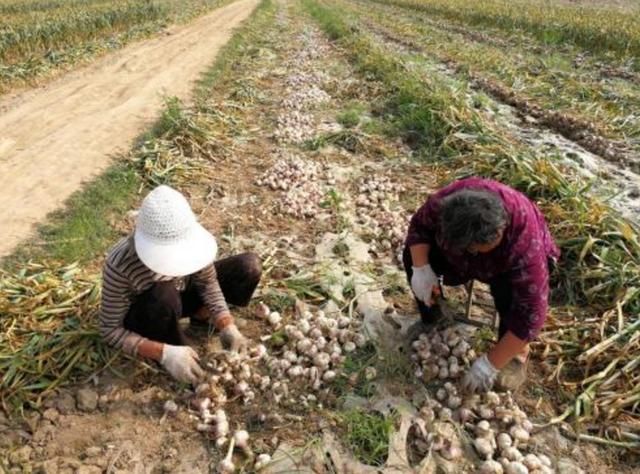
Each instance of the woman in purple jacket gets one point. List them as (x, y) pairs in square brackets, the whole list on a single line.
[(484, 230)]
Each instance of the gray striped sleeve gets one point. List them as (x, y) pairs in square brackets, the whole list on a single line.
[(116, 301), (206, 281)]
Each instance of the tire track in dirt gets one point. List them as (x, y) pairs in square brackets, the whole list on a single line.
[(55, 138)]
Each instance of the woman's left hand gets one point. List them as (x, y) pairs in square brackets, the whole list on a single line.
[(480, 377), (232, 339)]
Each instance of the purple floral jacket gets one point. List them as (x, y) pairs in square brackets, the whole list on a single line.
[(522, 256)]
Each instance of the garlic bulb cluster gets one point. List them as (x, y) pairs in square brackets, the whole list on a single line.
[(290, 172), (314, 46), (503, 435), (311, 358), (500, 430), (302, 79), (303, 91), (427, 435), (305, 97), (302, 184), (441, 354), (294, 126), (381, 214)]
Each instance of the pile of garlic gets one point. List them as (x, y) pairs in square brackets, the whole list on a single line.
[(301, 79), (294, 126), (303, 185), (441, 354), (380, 214), (306, 97), (311, 358), (500, 429)]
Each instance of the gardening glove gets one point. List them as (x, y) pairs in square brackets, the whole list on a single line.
[(232, 339), (182, 363), (422, 282), (480, 376)]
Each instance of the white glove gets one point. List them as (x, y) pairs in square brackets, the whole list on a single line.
[(422, 282), (182, 363), (232, 339), (480, 376)]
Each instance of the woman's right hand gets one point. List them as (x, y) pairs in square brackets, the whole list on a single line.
[(182, 363), (423, 281)]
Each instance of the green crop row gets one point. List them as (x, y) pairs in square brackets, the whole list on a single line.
[(549, 79), (34, 42), (603, 30)]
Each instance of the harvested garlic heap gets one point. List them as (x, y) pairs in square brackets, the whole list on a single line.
[(300, 80), (441, 354), (293, 126), (302, 98), (301, 183), (314, 44), (500, 429), (311, 358), (381, 215)]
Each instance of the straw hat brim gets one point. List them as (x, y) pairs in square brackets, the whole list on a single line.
[(190, 255)]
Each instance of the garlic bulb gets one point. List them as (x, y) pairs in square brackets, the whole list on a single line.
[(491, 467), (451, 453), (485, 412), (226, 466), (262, 461), (512, 454), (274, 318), (328, 376), (170, 407), (516, 468), (262, 311), (483, 447), (241, 387), (445, 414), (544, 459), (532, 462), (504, 441), (454, 402), (483, 429), (519, 434), (241, 440)]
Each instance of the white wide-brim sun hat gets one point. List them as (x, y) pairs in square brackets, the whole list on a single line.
[(168, 238), (186, 257)]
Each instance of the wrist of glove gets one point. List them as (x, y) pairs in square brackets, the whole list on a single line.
[(182, 363), (232, 340), (480, 377), (423, 280)]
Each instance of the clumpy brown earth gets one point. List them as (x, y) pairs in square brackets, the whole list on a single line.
[(118, 424)]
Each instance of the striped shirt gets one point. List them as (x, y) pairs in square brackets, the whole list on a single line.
[(125, 277)]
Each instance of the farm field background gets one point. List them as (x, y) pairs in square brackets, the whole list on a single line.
[(40, 37), (318, 130)]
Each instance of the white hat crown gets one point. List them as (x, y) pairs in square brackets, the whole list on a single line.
[(165, 217)]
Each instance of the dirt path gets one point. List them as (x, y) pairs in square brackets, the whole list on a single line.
[(55, 138)]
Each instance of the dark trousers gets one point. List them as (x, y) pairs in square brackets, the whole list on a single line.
[(155, 313), (500, 287)]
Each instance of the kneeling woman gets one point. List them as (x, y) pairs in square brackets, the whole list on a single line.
[(164, 271), (484, 230)]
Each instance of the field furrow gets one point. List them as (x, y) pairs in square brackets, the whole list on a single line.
[(600, 114)]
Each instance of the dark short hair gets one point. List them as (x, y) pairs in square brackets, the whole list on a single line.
[(470, 216)]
